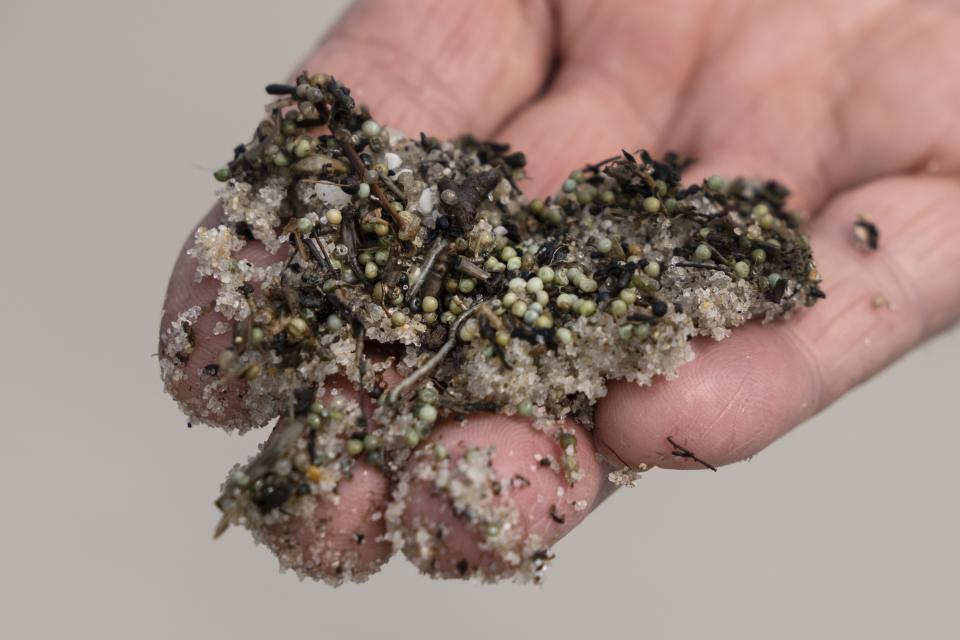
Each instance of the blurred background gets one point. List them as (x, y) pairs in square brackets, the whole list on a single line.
[(114, 115)]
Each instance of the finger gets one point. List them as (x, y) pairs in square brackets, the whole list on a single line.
[(741, 394), (337, 536), (342, 539), (824, 101), (461, 517), (620, 79), (191, 371), (439, 67)]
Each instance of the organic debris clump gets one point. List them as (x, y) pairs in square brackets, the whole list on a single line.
[(421, 260)]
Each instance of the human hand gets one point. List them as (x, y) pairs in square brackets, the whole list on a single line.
[(848, 105)]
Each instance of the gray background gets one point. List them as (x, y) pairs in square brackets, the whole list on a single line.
[(113, 116)]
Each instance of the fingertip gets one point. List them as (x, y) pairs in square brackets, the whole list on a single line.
[(193, 335), (735, 398), (342, 538), (497, 499)]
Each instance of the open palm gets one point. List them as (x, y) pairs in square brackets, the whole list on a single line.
[(852, 105)]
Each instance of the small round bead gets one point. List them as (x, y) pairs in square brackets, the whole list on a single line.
[(298, 327), (256, 336), (742, 269), (313, 421), (354, 447), (507, 252), (641, 331), (767, 221), (629, 295), (537, 206), (525, 408), (240, 478), (370, 128), (381, 228), (428, 395), (302, 148), (587, 308), (509, 298), (625, 331), (565, 301), (398, 318), (502, 338), (531, 316), (222, 175), (543, 298), (702, 253), (534, 284), (518, 308), (363, 191), (604, 245), (543, 322), (411, 438), (651, 204), (564, 336), (427, 413), (514, 263), (371, 442), (716, 183), (371, 271), (759, 256), (469, 330), (759, 210), (333, 216), (449, 197), (517, 285), (429, 304), (773, 279), (618, 307), (545, 274), (587, 285), (467, 285), (553, 215), (334, 323), (569, 185), (304, 225), (652, 269)]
